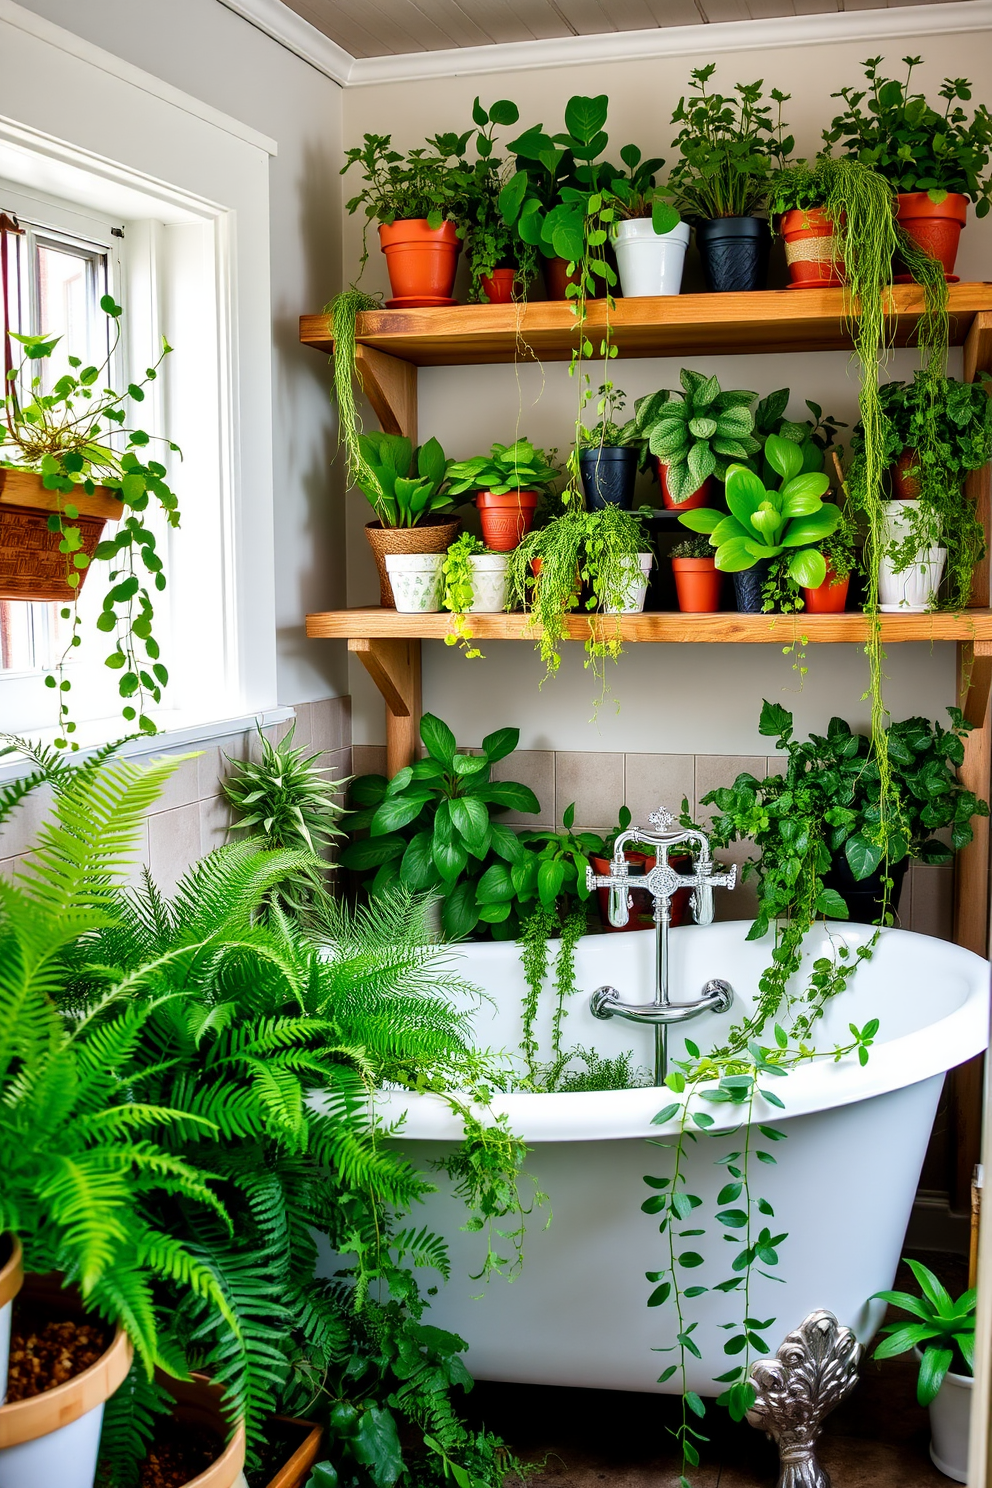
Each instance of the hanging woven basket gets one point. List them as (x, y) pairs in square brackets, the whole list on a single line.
[(31, 566)]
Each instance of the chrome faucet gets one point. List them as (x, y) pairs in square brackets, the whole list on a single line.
[(661, 883)]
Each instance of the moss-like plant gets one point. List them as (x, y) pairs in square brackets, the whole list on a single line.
[(459, 591)]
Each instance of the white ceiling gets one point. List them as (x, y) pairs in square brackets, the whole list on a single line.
[(382, 28)]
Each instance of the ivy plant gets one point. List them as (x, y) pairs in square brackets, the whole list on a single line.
[(432, 826), (77, 437), (916, 147)]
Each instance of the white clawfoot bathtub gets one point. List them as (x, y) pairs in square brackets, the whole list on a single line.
[(843, 1186)]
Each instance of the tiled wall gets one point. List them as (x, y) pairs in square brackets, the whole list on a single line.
[(599, 784), (192, 815)]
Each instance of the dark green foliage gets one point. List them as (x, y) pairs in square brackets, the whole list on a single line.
[(697, 432), (492, 242), (914, 146), (729, 148), (943, 1331), (602, 1073)]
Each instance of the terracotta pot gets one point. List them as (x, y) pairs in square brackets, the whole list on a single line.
[(11, 1281), (831, 596), (498, 289), (421, 262), (699, 497), (557, 277), (31, 566), (698, 583), (53, 1438), (641, 913), (936, 227), (431, 535), (812, 251), (198, 1403), (505, 519), (905, 476)]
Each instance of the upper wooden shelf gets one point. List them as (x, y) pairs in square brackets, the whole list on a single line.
[(670, 627), (673, 325)]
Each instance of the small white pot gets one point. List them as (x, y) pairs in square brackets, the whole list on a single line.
[(912, 590), (950, 1420), (639, 571), (489, 582), (416, 581), (650, 263)]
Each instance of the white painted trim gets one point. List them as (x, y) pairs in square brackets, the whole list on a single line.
[(67, 41), (678, 41), (296, 35)]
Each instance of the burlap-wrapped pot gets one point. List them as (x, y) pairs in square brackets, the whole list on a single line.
[(432, 535)]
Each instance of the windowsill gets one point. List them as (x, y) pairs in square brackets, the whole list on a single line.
[(175, 734)]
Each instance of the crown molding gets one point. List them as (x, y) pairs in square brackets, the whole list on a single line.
[(677, 41), (297, 36), (25, 20)]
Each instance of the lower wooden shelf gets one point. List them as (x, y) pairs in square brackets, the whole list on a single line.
[(663, 628)]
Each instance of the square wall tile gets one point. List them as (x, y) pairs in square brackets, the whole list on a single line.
[(330, 724), (214, 764), (776, 764), (173, 844), (657, 780), (368, 759), (715, 770), (594, 782), (536, 768), (215, 823), (302, 733)]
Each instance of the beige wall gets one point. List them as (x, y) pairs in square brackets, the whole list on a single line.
[(677, 699)]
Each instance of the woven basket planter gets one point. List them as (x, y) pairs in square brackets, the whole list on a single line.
[(432, 535), (31, 566)]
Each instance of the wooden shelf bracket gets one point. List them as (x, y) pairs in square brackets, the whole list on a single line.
[(393, 663), (390, 384)]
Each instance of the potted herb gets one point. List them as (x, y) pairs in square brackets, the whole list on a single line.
[(694, 435), (830, 597), (942, 1335), (729, 148), (933, 159), (608, 453), (70, 461), (762, 525), (474, 582), (813, 247), (418, 200), (500, 264), (406, 490), (507, 485), (698, 582), (649, 237)]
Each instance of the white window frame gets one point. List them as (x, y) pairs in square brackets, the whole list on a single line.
[(191, 191)]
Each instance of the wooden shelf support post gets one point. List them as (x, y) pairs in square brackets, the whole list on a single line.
[(394, 666)]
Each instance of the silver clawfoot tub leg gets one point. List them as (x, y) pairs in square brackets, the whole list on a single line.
[(814, 1369)]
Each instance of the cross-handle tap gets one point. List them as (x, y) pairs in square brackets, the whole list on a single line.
[(663, 881)]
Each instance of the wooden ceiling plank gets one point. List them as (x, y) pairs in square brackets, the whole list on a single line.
[(347, 32)]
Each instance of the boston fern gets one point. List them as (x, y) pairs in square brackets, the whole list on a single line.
[(432, 827)]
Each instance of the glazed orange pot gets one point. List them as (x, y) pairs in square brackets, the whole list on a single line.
[(906, 477), (698, 583), (498, 289), (935, 226), (505, 519), (812, 251), (641, 914), (700, 497), (421, 261), (830, 598)]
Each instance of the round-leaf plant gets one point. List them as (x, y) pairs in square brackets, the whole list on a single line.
[(764, 524)]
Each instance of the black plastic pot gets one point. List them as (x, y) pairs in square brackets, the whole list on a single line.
[(748, 586), (734, 251), (608, 476), (863, 896)]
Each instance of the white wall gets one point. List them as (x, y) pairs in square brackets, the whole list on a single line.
[(206, 50), (672, 698)]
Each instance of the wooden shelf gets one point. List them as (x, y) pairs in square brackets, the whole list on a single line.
[(775, 320), (664, 628)]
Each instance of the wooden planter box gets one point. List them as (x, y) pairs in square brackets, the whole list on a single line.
[(31, 566)]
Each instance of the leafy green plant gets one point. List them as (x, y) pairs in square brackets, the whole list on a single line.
[(697, 433), (492, 242), (600, 1072), (432, 827), (763, 524), (520, 466), (577, 548), (607, 432), (636, 194), (914, 146), (693, 547), (946, 426), (813, 436), (427, 183), (282, 800), (404, 485), (729, 147), (459, 590), (77, 437), (944, 1331)]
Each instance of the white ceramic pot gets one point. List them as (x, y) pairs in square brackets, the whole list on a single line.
[(912, 590), (416, 581), (950, 1421), (489, 582), (650, 263), (639, 571)]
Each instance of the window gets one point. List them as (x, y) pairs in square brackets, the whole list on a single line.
[(55, 281)]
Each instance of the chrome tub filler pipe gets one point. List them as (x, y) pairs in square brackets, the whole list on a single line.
[(661, 883)]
